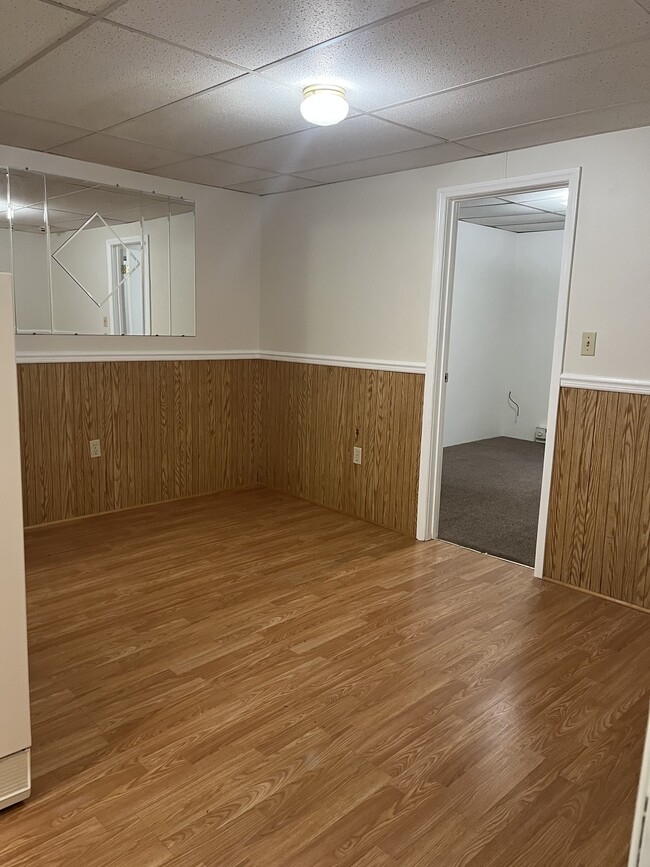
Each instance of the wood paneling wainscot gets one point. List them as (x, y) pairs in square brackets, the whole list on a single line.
[(311, 416), (599, 520), (167, 429)]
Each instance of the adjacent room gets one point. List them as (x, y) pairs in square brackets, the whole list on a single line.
[(324, 443), (504, 308)]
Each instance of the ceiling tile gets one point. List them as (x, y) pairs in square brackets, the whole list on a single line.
[(514, 220), (554, 201), (581, 83), (550, 206), (501, 210), (535, 227), (413, 159), (250, 33), (559, 196), (37, 135), (106, 74), (111, 151), (214, 173), (29, 26), (562, 128), (453, 43), (354, 139), (92, 6), (243, 111), (278, 184), (482, 201)]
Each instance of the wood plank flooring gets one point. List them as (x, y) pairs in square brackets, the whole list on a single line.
[(246, 679)]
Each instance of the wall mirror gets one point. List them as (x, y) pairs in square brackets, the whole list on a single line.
[(94, 259)]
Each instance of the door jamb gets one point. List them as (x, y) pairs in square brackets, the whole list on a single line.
[(438, 339)]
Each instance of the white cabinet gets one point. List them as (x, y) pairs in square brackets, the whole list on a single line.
[(15, 735)]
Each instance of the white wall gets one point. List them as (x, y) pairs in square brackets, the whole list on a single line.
[(347, 267), (227, 263), (502, 331), (531, 330), (482, 296)]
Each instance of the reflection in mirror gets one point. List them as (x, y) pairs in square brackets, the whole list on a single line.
[(93, 259), (5, 230)]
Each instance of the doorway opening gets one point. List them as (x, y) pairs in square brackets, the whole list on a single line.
[(129, 284), (496, 346)]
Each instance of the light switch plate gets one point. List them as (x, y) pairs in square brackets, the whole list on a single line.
[(588, 345), (356, 455)]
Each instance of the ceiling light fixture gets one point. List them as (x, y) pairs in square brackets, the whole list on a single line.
[(324, 104)]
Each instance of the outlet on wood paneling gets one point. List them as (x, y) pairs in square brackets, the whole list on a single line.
[(171, 429), (309, 418), (167, 429)]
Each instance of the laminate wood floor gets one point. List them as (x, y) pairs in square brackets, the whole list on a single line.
[(249, 680)]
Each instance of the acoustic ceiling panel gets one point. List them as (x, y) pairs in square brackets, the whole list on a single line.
[(453, 43), (527, 218), (248, 32), (112, 151), (535, 227), (276, 184), (243, 111), (91, 6), (106, 74), (166, 80), (356, 138), (581, 83), (413, 159), (216, 173), (19, 131), (562, 128), (545, 200), (29, 26)]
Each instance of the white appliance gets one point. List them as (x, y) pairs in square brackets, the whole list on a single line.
[(15, 734), (640, 845)]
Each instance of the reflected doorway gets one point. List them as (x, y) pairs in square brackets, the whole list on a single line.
[(130, 307)]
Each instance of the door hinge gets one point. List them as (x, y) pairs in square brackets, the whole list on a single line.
[(446, 377)]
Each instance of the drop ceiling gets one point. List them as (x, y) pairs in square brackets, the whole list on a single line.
[(209, 91), (535, 211)]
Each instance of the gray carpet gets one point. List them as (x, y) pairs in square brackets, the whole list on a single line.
[(490, 494)]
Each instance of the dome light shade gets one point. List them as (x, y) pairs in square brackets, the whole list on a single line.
[(324, 104)]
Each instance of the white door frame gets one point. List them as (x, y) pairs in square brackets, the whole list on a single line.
[(111, 245), (438, 339)]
